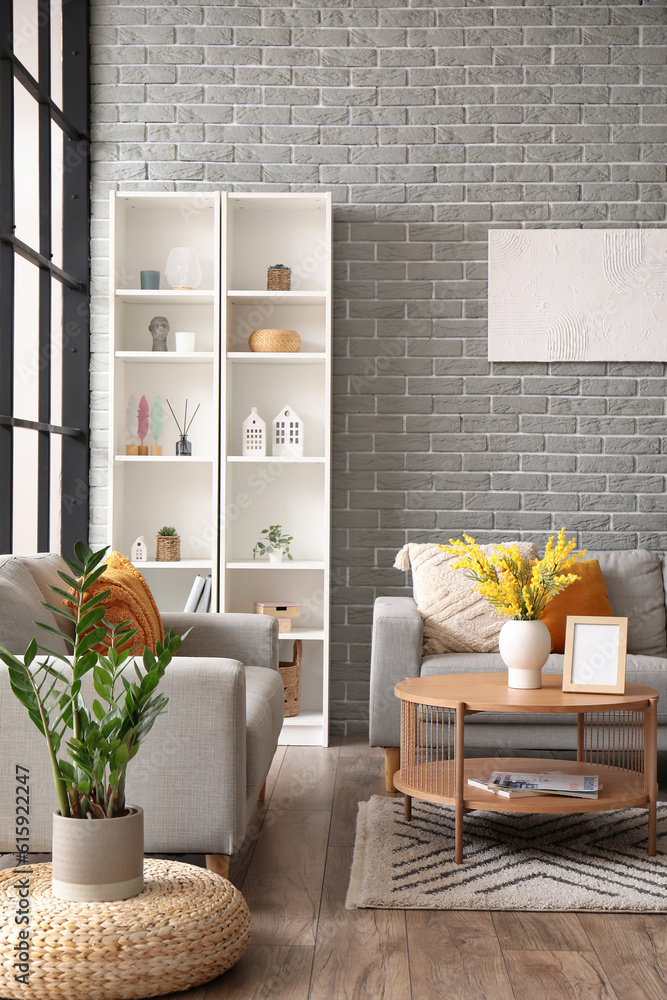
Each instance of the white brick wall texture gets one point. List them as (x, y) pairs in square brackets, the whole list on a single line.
[(429, 122)]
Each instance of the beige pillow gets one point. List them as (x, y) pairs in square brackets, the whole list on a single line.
[(457, 619)]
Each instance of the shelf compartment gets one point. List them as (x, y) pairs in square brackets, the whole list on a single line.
[(305, 587)]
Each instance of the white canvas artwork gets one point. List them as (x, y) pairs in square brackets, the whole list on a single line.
[(578, 295)]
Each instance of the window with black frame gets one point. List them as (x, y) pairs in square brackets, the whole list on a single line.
[(44, 268)]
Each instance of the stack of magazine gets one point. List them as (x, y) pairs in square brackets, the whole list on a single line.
[(512, 783), (199, 598)]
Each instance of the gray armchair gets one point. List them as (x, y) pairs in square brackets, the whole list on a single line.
[(203, 767)]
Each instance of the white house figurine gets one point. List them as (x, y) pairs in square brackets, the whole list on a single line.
[(287, 434), (254, 434), (138, 551)]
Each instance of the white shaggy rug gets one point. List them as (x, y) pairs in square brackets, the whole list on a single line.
[(584, 861)]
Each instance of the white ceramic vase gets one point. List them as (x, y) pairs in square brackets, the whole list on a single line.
[(276, 556), (98, 859), (524, 648)]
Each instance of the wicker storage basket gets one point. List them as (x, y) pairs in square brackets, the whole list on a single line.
[(278, 279), (168, 548), (291, 675), (279, 341)]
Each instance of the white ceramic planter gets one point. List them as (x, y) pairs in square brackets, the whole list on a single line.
[(276, 556), (98, 859), (524, 648)]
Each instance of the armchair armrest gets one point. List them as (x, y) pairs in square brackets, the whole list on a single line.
[(252, 639), (396, 653)]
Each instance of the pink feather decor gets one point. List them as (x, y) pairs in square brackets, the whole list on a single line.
[(143, 418)]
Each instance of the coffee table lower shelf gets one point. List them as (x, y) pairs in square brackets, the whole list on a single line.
[(436, 782)]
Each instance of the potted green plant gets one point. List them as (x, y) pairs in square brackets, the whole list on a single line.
[(168, 545), (97, 837), (274, 545)]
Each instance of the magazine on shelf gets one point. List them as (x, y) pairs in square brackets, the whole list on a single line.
[(545, 783), (507, 793)]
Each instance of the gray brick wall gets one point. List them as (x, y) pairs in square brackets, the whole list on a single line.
[(429, 122)]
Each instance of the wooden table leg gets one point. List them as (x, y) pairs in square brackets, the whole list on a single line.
[(651, 750), (408, 808), (458, 767)]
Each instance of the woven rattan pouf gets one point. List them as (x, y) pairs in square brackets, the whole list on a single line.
[(184, 929)]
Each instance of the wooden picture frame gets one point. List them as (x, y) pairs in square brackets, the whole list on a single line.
[(595, 651)]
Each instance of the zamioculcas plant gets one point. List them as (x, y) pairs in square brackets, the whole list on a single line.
[(102, 740)]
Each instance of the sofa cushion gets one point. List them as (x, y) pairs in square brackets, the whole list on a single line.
[(456, 616), (636, 592), (265, 697), (586, 596), (130, 600), (20, 609), (43, 568)]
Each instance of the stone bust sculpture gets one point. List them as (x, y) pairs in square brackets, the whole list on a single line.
[(159, 328)]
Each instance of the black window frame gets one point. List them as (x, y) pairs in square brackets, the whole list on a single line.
[(74, 275)]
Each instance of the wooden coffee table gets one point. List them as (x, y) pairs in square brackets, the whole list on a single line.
[(616, 739)]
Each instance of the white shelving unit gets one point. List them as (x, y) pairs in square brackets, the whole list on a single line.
[(219, 500), (260, 230), (146, 492)]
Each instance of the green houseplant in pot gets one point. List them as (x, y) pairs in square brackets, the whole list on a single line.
[(274, 545), (97, 838)]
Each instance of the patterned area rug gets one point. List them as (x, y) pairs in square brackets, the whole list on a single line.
[(589, 861)]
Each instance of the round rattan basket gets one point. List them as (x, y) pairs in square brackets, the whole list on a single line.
[(168, 548), (278, 341), (187, 927), (291, 675), (278, 279)]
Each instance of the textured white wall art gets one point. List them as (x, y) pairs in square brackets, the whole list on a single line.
[(578, 295)]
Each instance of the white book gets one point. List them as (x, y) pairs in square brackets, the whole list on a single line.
[(195, 594), (205, 600)]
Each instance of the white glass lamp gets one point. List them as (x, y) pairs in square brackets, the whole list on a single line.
[(287, 434), (254, 435), (182, 269)]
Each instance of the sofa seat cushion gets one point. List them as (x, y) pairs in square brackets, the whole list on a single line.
[(20, 601), (265, 699), (636, 591), (586, 596), (456, 616)]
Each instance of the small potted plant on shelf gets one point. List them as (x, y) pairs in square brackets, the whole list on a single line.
[(275, 545), (97, 837), (168, 545)]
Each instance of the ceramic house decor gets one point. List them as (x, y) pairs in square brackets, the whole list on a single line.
[(138, 550), (254, 435), (287, 434)]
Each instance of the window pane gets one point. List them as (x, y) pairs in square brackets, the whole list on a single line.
[(26, 166), (25, 491), (57, 52), (26, 339), (54, 492), (56, 352), (25, 34), (57, 194)]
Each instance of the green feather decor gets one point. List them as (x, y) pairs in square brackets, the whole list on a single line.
[(157, 417)]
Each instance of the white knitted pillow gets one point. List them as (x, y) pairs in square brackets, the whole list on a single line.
[(457, 619)]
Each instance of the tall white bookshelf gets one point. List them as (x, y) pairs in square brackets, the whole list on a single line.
[(260, 230), (219, 500)]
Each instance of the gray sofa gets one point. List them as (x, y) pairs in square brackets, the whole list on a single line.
[(201, 770), (636, 586)]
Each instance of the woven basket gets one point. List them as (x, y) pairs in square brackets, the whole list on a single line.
[(278, 279), (291, 675), (168, 548), (278, 341)]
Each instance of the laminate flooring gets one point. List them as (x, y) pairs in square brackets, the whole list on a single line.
[(293, 871)]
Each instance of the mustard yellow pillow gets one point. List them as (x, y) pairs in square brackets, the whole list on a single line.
[(130, 600), (586, 596)]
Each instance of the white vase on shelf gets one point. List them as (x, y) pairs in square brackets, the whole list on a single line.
[(524, 647), (182, 270), (276, 556)]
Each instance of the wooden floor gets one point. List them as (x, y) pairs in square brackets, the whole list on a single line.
[(294, 870)]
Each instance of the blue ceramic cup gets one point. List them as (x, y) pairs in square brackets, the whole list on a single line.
[(150, 279)]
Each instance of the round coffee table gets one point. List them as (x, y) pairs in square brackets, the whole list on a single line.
[(616, 739), (186, 927)]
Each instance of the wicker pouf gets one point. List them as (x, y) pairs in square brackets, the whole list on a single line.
[(186, 927), (291, 675)]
